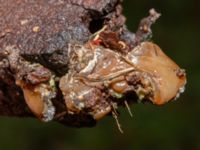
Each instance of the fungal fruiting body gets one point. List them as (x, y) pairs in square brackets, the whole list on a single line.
[(100, 78), (38, 98), (36, 82), (166, 77)]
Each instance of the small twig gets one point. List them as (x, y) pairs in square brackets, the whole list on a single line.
[(144, 30), (128, 108), (117, 122), (115, 116)]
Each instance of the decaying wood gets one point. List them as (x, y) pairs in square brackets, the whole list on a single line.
[(75, 61)]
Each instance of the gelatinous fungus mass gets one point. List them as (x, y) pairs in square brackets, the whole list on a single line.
[(99, 76)]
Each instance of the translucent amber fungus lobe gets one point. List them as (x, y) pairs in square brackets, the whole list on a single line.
[(149, 58)]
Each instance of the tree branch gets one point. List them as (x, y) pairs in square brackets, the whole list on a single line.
[(52, 54)]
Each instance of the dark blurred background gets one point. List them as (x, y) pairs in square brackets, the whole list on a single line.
[(174, 126)]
